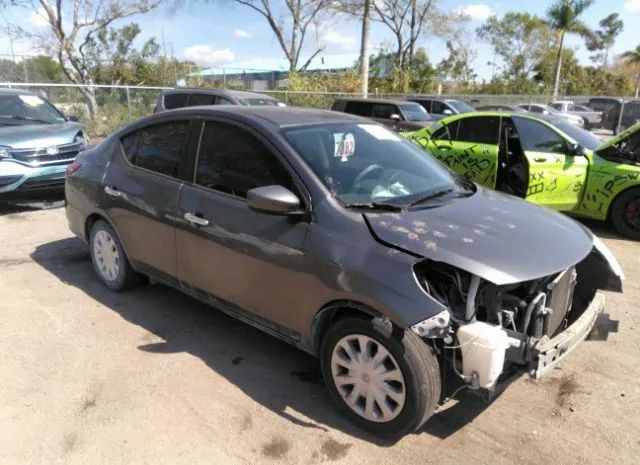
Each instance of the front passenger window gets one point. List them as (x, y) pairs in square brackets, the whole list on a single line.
[(234, 161), (383, 110), (536, 137), (157, 148)]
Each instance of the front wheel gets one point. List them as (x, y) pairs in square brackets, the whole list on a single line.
[(625, 213), (387, 384)]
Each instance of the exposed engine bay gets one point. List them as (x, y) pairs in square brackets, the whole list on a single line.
[(490, 326)]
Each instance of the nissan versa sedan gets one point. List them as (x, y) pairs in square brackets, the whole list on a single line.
[(37, 142), (545, 160), (338, 236)]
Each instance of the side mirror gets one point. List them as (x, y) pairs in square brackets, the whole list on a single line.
[(447, 112), (395, 117), (577, 150), (72, 118), (275, 200)]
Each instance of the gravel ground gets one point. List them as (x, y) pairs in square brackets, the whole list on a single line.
[(151, 376)]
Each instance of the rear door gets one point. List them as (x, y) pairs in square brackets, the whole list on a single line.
[(469, 146), (556, 177), (243, 260), (141, 187)]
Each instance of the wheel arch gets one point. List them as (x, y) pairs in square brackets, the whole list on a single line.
[(341, 309)]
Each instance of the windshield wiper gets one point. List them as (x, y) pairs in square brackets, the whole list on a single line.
[(431, 196), (375, 206), (25, 118)]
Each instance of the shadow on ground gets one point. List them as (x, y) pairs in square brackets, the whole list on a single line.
[(266, 369)]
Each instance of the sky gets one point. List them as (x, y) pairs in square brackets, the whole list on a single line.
[(221, 33)]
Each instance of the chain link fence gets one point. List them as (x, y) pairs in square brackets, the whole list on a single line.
[(103, 109)]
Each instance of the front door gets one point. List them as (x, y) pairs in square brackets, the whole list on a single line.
[(140, 193), (556, 177), (469, 146), (246, 261)]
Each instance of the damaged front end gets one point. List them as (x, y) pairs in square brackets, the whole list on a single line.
[(529, 325)]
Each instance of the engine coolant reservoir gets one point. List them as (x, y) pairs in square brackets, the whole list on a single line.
[(483, 347)]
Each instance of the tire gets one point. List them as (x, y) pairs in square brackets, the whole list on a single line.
[(108, 258), (587, 125), (625, 213), (416, 392)]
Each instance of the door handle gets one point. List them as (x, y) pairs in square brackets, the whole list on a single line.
[(195, 219), (113, 192), (540, 159)]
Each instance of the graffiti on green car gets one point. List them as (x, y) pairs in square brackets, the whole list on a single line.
[(547, 161)]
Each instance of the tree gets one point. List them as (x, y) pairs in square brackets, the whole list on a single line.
[(605, 37), (457, 65), (303, 16), (71, 26), (519, 39), (632, 58), (114, 59), (364, 47), (564, 18), (419, 77), (405, 19)]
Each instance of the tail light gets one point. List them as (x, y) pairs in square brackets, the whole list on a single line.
[(73, 167)]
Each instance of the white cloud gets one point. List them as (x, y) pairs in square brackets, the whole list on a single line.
[(632, 6), (478, 10), (38, 18), (241, 34), (346, 42), (204, 55)]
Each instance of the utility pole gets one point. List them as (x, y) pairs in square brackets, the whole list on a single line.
[(364, 49)]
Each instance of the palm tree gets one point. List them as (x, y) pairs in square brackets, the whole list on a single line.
[(564, 18), (632, 57)]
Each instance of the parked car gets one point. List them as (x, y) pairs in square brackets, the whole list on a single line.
[(439, 108), (338, 236), (592, 118), (610, 107), (547, 110), (191, 97), (546, 161), (395, 114), (37, 142), (501, 107)]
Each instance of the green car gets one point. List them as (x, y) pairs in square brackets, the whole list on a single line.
[(547, 161)]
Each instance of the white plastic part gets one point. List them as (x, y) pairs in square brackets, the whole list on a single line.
[(483, 347)]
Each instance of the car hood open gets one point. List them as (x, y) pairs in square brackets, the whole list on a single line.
[(498, 237), (619, 138), (26, 136)]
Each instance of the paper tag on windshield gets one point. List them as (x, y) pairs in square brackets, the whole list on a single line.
[(345, 145), (31, 100), (379, 132)]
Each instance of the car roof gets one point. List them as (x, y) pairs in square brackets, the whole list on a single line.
[(372, 100), (280, 117), (16, 92), (222, 92)]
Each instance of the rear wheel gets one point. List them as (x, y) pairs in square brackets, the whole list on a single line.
[(387, 384), (625, 213), (108, 258)]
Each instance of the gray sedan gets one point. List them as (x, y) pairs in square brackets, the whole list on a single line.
[(341, 238)]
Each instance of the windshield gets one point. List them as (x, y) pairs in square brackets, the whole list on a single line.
[(414, 112), (582, 137), (28, 109), (367, 163), (260, 101), (461, 107)]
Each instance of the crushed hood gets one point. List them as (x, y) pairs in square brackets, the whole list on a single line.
[(498, 237), (619, 138), (27, 136)]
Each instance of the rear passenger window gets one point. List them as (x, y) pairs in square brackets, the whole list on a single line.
[(482, 130), (201, 99), (172, 101), (157, 148), (358, 108), (234, 161), (383, 110)]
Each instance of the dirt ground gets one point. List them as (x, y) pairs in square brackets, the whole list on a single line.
[(150, 376)]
